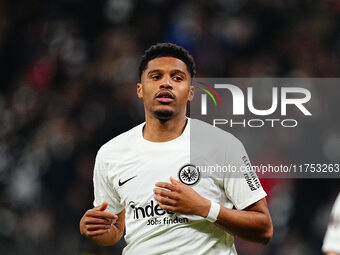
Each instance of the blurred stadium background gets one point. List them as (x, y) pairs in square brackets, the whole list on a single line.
[(68, 74)]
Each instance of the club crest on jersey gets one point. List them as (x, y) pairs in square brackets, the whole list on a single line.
[(189, 174)]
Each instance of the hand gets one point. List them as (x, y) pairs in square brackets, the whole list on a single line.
[(180, 198), (96, 221)]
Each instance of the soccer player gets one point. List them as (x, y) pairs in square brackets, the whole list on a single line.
[(146, 181), (331, 243)]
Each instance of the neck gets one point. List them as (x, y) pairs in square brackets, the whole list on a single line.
[(156, 130)]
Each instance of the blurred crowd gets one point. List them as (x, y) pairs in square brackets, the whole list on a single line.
[(68, 74)]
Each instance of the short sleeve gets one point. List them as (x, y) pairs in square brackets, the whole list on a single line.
[(331, 242), (104, 189), (243, 188)]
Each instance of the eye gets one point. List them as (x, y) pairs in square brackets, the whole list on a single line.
[(155, 77), (178, 78)]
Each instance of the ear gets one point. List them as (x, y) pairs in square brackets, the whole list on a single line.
[(191, 93), (140, 90)]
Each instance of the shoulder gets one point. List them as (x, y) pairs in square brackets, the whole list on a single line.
[(121, 143), (208, 134), (337, 205)]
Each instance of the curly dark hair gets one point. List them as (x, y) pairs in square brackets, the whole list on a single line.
[(167, 50)]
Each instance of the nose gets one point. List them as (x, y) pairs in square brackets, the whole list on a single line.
[(166, 83)]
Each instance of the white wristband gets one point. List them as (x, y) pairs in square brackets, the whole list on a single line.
[(213, 212)]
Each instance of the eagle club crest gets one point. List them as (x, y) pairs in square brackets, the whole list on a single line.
[(189, 174)]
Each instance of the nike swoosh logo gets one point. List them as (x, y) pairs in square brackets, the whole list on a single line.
[(120, 183)]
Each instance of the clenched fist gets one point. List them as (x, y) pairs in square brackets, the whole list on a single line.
[(180, 198)]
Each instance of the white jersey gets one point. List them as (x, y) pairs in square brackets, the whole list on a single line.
[(331, 242), (127, 168)]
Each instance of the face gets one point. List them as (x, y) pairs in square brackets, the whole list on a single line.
[(165, 88)]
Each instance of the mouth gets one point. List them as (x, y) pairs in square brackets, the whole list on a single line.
[(165, 97)]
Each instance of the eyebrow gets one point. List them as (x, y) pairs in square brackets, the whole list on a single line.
[(158, 70), (180, 71), (154, 71)]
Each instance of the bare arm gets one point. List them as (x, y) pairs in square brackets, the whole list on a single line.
[(331, 253), (253, 223), (103, 228)]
